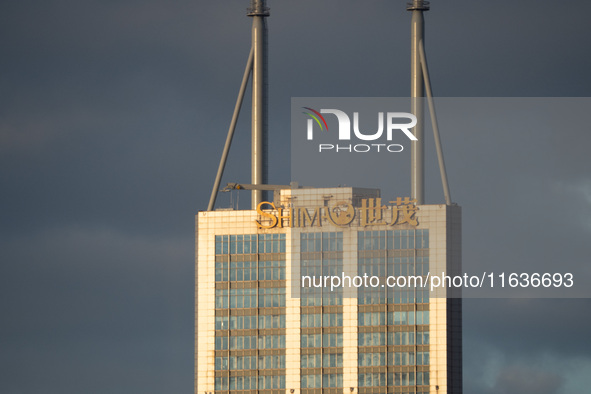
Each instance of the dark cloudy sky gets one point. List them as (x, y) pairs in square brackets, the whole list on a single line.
[(112, 119)]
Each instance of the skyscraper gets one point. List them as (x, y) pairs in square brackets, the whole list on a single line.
[(316, 291), (270, 318)]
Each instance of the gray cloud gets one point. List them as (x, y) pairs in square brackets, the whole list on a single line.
[(521, 379), (87, 300)]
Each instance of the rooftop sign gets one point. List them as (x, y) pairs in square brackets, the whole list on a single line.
[(343, 214)]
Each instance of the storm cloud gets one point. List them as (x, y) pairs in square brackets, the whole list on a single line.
[(113, 116)]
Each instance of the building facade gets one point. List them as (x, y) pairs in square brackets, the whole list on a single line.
[(270, 317)]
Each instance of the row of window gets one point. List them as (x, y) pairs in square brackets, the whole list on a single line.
[(393, 338), (393, 379), (249, 243), (393, 239), (315, 297), (250, 342), (393, 358), (321, 242), (225, 383), (393, 318), (374, 266), (319, 270), (322, 340), (272, 270), (250, 298), (392, 296), (249, 322), (318, 242), (321, 360), (249, 362), (393, 266), (325, 380), (262, 382), (322, 320)]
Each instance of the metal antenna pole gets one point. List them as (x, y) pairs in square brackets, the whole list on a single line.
[(258, 11), (222, 166), (417, 171), (438, 147)]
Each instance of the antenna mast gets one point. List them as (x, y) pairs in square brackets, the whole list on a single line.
[(419, 81), (417, 92), (259, 154), (257, 66)]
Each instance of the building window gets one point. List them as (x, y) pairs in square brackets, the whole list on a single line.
[(311, 340), (221, 343), (272, 297), (321, 255), (243, 322), (311, 381), (372, 379), (222, 243), (271, 341), (393, 239), (311, 361), (332, 340), (332, 242), (372, 338), (408, 318), (408, 338), (243, 342), (332, 319), (423, 338), (332, 380), (422, 378), (238, 257), (371, 240), (241, 270), (401, 358), (371, 359), (311, 320), (271, 382), (322, 340), (221, 383), (321, 242), (332, 360), (272, 362), (236, 323), (374, 266), (401, 378), (321, 360), (236, 298), (371, 318), (221, 271), (322, 320), (271, 321), (243, 382), (325, 380), (221, 323), (221, 364), (423, 358), (271, 243), (370, 296), (249, 244), (272, 270), (243, 362)]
